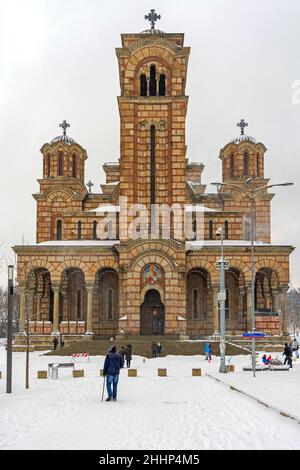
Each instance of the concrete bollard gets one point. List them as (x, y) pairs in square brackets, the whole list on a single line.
[(196, 372), (42, 374), (162, 372), (78, 373), (132, 373)]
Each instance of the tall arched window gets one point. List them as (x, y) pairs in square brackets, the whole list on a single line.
[(79, 230), (59, 230), (246, 163), (143, 80), (79, 304), (60, 164), (257, 165), (74, 166), (47, 166), (232, 166), (195, 303), (95, 224), (110, 304), (152, 84), (152, 164), (226, 230), (162, 85), (211, 230)]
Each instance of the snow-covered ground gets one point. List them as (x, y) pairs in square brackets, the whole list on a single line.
[(177, 412)]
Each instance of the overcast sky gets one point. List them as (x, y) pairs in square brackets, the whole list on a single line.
[(57, 61)]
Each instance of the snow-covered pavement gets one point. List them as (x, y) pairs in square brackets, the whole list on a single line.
[(177, 412)]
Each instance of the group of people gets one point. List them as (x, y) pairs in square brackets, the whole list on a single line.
[(61, 342), (156, 349)]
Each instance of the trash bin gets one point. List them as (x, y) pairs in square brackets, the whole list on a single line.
[(54, 372)]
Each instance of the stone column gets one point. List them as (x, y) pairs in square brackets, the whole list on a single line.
[(89, 321), (283, 289), (275, 300), (215, 290), (249, 304), (56, 290), (22, 311)]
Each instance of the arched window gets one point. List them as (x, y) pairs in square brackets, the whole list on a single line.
[(257, 165), (152, 85), (74, 166), (79, 304), (143, 80), (47, 166), (79, 230), (226, 230), (152, 164), (232, 166), (195, 303), (162, 85), (95, 224), (211, 230), (246, 163), (60, 164), (59, 230), (110, 304)]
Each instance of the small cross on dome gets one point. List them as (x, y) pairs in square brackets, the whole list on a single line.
[(152, 17), (242, 124), (64, 125)]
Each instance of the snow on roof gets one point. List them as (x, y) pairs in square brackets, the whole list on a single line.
[(79, 243), (199, 208), (196, 244), (103, 209), (243, 138)]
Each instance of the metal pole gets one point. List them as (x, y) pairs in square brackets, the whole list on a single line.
[(10, 292), (222, 308), (253, 286)]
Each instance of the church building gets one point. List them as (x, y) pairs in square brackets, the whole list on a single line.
[(74, 282)]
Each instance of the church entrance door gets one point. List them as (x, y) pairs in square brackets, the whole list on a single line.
[(152, 317)]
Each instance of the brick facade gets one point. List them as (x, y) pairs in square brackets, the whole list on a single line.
[(71, 276)]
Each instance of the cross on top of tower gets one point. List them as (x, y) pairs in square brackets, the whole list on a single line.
[(90, 185), (152, 17), (64, 125), (242, 124)]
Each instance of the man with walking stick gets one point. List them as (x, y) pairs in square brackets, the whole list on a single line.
[(111, 371)]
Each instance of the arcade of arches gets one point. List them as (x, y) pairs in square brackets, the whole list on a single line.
[(142, 301)]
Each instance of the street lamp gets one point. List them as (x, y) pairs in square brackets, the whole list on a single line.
[(252, 193), (222, 265), (10, 293)]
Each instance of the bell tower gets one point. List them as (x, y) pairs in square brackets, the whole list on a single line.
[(153, 106)]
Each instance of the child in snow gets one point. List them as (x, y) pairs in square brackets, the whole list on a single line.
[(207, 351)]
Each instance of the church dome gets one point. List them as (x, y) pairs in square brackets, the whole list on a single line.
[(63, 138), (243, 138)]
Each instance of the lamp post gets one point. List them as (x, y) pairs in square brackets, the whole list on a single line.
[(222, 265), (252, 193), (10, 292)]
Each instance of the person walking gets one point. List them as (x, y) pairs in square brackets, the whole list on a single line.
[(128, 355), (61, 341), (55, 343), (154, 350), (288, 355), (111, 370), (295, 348), (207, 351), (158, 348), (122, 352)]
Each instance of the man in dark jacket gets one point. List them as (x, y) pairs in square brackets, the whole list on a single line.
[(112, 365), (288, 355)]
